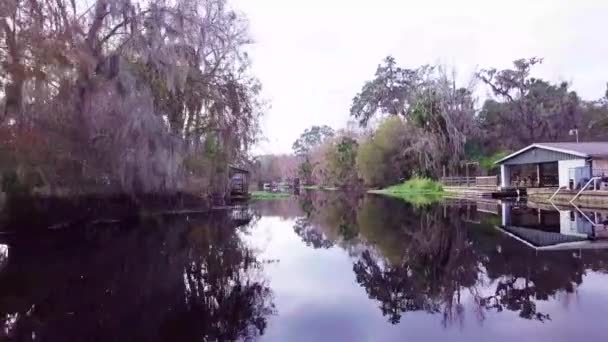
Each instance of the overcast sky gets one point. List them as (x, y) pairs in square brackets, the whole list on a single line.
[(313, 56)]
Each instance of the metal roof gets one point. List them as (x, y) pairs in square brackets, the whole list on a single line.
[(583, 149), (238, 169)]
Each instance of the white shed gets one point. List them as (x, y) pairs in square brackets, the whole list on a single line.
[(554, 164)]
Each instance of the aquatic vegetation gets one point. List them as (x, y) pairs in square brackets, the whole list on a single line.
[(418, 191), (266, 195)]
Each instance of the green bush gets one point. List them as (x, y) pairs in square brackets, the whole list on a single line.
[(418, 191), (487, 163), (378, 159), (416, 185)]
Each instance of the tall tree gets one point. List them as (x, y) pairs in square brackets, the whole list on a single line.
[(311, 138), (303, 147), (528, 109), (441, 113), (143, 96), (341, 159)]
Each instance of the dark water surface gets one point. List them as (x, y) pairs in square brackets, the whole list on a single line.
[(320, 267)]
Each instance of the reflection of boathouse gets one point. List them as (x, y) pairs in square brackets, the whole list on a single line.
[(548, 227)]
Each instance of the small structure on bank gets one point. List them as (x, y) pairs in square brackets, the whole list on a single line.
[(552, 165), (239, 182)]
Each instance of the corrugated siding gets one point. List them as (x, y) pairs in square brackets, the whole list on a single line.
[(538, 155)]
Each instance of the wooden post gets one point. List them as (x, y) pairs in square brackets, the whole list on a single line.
[(466, 167), (538, 174)]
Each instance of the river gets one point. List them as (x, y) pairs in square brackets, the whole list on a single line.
[(317, 267)]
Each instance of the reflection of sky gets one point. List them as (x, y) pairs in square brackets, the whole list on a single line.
[(318, 299)]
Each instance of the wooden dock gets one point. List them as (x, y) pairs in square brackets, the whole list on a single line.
[(479, 187), (484, 192)]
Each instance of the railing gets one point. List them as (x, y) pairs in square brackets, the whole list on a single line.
[(603, 173), (458, 181), (592, 180), (488, 181)]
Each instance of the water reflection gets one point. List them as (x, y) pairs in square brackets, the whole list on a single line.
[(345, 267), (327, 219), (180, 278), (551, 227), (431, 258)]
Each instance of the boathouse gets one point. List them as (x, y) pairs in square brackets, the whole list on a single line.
[(239, 182), (565, 165)]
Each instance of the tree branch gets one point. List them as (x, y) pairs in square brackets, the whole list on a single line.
[(114, 30)]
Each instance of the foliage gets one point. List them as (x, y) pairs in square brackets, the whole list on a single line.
[(595, 119), (305, 170), (416, 185), (389, 92), (489, 162), (341, 157), (439, 115), (125, 96), (274, 168), (380, 160), (311, 138), (370, 163), (530, 109), (441, 126), (306, 147), (418, 191)]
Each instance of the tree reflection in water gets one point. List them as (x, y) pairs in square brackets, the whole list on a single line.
[(327, 219), (428, 260), (440, 258), (171, 278), (305, 228)]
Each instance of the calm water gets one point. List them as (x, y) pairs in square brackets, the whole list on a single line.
[(322, 267)]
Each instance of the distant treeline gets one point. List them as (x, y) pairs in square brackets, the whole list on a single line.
[(419, 122)]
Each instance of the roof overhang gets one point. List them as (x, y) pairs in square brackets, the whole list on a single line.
[(544, 147), (238, 169)]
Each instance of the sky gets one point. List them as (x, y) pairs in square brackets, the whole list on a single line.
[(313, 56)]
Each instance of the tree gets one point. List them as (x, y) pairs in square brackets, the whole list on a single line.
[(595, 119), (137, 97), (272, 168), (529, 109), (303, 147), (311, 138), (389, 92), (341, 157), (379, 160), (440, 114)]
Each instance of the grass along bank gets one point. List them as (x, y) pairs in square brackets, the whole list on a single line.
[(267, 195), (416, 190)]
